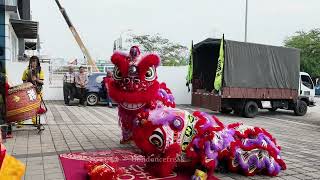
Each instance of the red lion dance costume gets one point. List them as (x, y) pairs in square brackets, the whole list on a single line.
[(148, 116)]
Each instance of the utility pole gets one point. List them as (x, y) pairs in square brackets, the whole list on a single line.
[(246, 23)]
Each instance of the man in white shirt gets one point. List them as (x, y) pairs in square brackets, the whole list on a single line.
[(69, 85)]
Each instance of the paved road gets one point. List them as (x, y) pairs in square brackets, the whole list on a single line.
[(311, 118), (74, 129)]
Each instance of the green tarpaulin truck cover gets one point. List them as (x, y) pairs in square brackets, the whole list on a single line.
[(249, 65)]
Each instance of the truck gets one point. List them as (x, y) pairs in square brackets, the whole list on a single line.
[(254, 76)]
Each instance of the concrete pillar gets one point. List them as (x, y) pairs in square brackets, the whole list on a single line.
[(21, 47)]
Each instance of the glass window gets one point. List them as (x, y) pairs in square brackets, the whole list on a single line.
[(306, 81), (100, 78)]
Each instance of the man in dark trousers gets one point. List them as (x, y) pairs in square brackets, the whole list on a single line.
[(69, 85)]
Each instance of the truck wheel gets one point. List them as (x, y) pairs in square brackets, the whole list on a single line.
[(225, 110), (300, 108), (251, 109), (273, 109)]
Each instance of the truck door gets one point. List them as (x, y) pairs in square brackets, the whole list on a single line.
[(307, 87)]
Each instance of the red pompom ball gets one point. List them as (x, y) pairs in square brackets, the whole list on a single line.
[(103, 170)]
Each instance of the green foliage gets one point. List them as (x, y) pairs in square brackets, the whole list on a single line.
[(309, 44), (172, 54)]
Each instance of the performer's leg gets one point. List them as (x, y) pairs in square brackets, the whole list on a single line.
[(126, 132), (34, 119), (126, 136)]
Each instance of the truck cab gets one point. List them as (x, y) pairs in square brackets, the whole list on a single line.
[(306, 89)]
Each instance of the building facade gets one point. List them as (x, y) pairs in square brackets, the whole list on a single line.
[(21, 33)]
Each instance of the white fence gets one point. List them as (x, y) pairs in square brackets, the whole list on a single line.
[(174, 77), (56, 74)]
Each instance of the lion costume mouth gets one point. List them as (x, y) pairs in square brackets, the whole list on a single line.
[(132, 99), (132, 106)]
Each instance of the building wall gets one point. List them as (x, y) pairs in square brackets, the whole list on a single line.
[(12, 44), (174, 77), (2, 35), (14, 72)]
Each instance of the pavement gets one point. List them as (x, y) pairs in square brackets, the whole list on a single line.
[(78, 129)]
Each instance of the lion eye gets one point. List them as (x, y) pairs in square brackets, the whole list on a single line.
[(157, 138), (117, 74), (150, 74)]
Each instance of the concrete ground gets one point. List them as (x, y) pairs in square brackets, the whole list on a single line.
[(74, 129)]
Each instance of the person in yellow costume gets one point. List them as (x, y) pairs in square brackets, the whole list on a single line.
[(10, 167), (34, 75)]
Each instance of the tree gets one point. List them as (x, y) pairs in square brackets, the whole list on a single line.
[(172, 54), (309, 44)]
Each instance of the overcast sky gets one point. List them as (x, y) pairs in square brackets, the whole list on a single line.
[(100, 22)]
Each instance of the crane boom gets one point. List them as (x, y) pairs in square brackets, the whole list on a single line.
[(77, 38)]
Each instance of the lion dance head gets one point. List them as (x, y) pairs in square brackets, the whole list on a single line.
[(134, 84)]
